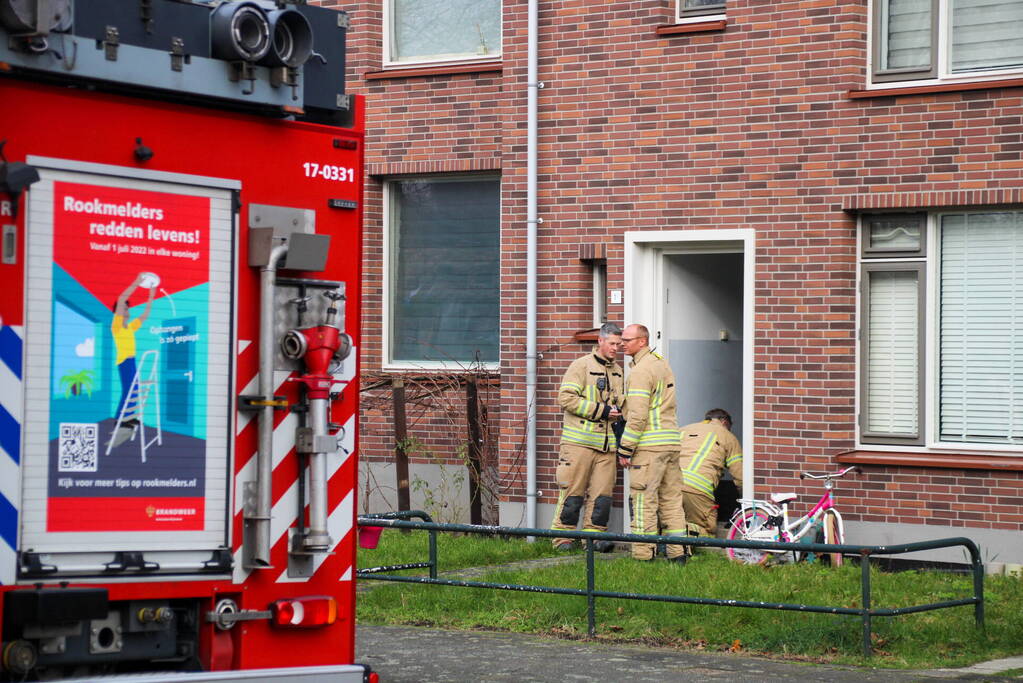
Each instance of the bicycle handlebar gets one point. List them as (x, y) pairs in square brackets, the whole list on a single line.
[(831, 475)]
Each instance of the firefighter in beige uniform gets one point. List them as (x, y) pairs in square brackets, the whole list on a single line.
[(649, 447), (591, 395), (708, 448)]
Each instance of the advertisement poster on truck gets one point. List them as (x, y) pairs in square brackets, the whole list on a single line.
[(129, 361)]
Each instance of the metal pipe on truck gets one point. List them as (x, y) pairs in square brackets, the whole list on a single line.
[(260, 557)]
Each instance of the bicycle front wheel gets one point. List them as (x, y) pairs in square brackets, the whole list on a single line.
[(745, 528), (833, 534)]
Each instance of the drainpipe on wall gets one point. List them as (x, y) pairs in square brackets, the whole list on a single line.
[(532, 220)]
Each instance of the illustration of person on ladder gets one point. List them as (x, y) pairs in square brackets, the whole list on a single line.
[(123, 331)]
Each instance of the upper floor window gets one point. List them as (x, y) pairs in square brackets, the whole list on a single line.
[(443, 262), (699, 8), (420, 31), (946, 39), (941, 318)]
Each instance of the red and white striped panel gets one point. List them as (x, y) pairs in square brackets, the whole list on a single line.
[(285, 491)]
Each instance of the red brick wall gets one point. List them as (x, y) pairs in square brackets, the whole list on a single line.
[(750, 127), (415, 125)]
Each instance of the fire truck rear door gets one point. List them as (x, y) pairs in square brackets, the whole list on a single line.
[(128, 364)]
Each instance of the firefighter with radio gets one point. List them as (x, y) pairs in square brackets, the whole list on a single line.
[(590, 395), (708, 449), (649, 447)]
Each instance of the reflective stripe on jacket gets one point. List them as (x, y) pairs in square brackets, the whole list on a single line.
[(707, 449), (586, 406), (650, 420)]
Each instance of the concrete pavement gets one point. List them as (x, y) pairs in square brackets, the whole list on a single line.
[(407, 654)]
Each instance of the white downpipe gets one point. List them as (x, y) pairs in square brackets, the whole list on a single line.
[(533, 85)]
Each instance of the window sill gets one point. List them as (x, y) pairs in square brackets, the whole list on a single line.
[(380, 379), (413, 72), (694, 27), (940, 87), (436, 368), (586, 336), (956, 461)]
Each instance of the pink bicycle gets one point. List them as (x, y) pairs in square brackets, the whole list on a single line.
[(761, 520)]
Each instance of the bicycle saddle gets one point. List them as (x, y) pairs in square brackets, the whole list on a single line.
[(783, 497)]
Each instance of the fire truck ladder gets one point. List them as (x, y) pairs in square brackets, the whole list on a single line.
[(143, 385)]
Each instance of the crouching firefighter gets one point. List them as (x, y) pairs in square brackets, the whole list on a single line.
[(708, 449), (591, 397)]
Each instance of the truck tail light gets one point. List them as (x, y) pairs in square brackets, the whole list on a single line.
[(307, 612)]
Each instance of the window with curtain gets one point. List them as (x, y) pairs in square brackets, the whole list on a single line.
[(982, 37), (690, 8), (442, 30), (444, 267), (976, 337)]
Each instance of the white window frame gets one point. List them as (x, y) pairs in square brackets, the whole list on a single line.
[(438, 60), (643, 252), (388, 284), (682, 16), (930, 329), (598, 272), (943, 70)]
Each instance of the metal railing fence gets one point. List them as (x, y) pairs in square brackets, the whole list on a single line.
[(866, 612)]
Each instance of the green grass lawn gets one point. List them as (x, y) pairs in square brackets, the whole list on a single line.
[(941, 638), (453, 552)]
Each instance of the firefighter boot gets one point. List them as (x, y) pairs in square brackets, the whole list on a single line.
[(687, 554)]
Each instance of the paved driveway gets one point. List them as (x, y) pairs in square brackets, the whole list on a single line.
[(419, 655)]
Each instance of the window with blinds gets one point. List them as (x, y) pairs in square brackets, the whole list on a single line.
[(444, 271), (981, 36), (973, 347), (986, 34), (981, 328), (893, 376), (907, 33)]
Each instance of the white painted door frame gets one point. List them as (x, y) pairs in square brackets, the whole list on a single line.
[(644, 303)]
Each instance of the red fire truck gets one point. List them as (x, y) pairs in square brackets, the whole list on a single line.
[(180, 202)]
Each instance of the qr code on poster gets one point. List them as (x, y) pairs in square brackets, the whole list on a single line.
[(79, 447)]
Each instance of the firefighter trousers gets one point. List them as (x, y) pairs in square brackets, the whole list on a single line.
[(585, 478), (701, 512), (655, 492)]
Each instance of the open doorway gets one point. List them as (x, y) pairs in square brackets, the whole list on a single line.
[(694, 290), (702, 334), (702, 330)]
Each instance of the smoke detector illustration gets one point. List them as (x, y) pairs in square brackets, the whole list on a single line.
[(149, 280)]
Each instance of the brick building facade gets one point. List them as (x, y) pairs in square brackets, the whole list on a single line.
[(802, 223)]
